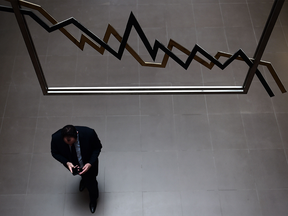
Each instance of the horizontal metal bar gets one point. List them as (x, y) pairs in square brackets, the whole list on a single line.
[(143, 92), (120, 88), (146, 90)]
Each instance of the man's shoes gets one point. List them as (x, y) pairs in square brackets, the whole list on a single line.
[(82, 185), (93, 206)]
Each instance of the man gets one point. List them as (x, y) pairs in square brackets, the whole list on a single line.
[(78, 148)]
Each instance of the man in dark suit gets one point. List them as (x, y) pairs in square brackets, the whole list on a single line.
[(78, 148)]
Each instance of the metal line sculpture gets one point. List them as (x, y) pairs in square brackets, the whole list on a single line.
[(132, 22)]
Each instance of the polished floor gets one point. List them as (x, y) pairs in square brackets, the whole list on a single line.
[(163, 155)]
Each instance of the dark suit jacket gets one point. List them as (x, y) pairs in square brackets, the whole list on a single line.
[(90, 146)]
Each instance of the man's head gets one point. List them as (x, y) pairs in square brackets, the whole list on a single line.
[(69, 134)]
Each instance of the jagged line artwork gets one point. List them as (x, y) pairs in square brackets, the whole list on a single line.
[(132, 22)]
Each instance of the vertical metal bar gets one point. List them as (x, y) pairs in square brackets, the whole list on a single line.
[(30, 45), (275, 11)]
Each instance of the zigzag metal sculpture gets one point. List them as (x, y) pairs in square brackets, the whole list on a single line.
[(132, 22)]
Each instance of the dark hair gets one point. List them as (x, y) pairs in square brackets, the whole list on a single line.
[(69, 131)]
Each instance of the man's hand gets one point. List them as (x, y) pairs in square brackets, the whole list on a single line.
[(70, 166), (86, 167)]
